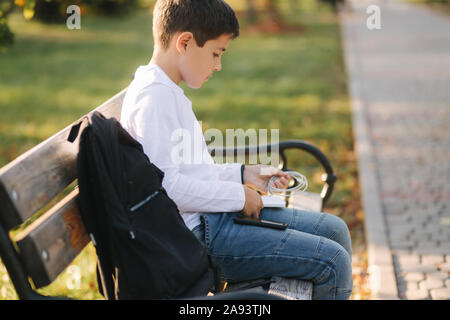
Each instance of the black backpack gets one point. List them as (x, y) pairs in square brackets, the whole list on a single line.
[(144, 249)]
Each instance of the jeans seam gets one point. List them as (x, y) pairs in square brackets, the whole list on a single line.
[(330, 264), (341, 291), (317, 225), (332, 260), (293, 221), (333, 235), (333, 263), (204, 220), (335, 284), (282, 243), (318, 247)]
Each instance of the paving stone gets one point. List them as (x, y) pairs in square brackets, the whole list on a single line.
[(417, 268), (429, 284), (416, 294), (440, 294), (414, 276), (422, 233), (422, 237), (437, 275), (428, 244), (408, 259), (422, 249), (432, 226), (399, 219), (404, 244), (432, 259), (400, 238), (444, 221), (419, 220), (402, 229), (445, 246), (440, 237), (445, 267)]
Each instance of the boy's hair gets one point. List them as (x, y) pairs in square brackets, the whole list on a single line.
[(206, 19)]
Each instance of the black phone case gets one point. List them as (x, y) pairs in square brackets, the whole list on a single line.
[(260, 222)]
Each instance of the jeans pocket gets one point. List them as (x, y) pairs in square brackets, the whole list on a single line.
[(199, 233)]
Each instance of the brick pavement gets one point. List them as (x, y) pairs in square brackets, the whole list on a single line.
[(400, 89)]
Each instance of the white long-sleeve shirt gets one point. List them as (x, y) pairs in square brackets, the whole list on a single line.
[(156, 113)]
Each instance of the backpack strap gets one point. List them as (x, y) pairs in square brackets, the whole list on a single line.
[(106, 287), (218, 285)]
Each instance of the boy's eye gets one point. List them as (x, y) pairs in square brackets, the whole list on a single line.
[(215, 55)]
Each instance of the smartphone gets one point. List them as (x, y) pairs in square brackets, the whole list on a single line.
[(241, 219)]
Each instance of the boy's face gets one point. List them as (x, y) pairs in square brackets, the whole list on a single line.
[(197, 64)]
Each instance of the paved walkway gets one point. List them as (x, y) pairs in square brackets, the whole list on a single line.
[(399, 83)]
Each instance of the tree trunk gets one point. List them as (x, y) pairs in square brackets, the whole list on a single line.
[(251, 11), (272, 8)]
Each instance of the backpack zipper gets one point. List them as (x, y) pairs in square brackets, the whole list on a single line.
[(140, 204)]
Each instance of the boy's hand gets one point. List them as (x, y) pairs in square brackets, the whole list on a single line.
[(258, 176), (253, 203)]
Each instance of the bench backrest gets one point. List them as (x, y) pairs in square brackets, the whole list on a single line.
[(27, 184)]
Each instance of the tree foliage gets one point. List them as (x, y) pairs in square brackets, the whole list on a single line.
[(54, 11), (6, 36)]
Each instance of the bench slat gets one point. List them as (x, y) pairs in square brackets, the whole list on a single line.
[(51, 242), (32, 180)]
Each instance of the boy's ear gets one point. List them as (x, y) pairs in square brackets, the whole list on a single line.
[(183, 40)]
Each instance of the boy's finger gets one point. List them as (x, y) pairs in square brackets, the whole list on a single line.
[(283, 174), (281, 183), (283, 179), (284, 183)]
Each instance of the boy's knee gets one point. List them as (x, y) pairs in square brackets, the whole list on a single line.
[(336, 280), (343, 264), (344, 276), (342, 234)]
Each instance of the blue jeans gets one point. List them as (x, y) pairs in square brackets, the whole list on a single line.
[(316, 246)]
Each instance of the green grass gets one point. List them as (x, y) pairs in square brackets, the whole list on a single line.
[(292, 82)]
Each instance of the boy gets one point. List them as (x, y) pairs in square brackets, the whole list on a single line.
[(190, 37)]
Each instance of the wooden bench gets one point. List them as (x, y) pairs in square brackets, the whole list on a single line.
[(45, 247)]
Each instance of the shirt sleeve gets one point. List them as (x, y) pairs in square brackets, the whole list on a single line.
[(230, 171), (154, 121)]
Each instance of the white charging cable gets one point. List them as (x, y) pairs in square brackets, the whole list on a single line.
[(301, 186)]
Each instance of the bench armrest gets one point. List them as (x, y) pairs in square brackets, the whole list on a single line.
[(329, 178)]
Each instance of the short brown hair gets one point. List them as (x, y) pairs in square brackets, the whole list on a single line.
[(206, 19)]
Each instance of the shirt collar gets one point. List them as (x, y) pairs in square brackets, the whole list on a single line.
[(166, 78)]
